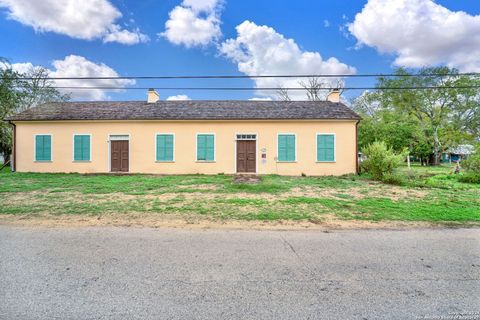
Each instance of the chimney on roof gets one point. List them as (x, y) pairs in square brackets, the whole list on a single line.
[(334, 96), (152, 96)]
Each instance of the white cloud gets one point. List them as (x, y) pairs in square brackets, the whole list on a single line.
[(77, 66), (420, 33), (180, 97), (22, 67), (85, 19), (125, 36), (326, 23), (194, 23), (260, 50)]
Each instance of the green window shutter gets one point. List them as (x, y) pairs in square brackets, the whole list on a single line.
[(38, 148), (286, 147), (43, 148), (205, 147), (326, 147), (210, 148), (165, 147), (81, 148)]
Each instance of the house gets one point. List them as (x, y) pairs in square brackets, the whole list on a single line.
[(188, 137), (458, 153)]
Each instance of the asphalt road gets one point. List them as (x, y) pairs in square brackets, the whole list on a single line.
[(132, 273)]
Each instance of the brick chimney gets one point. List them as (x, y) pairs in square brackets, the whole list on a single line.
[(152, 96), (334, 96)]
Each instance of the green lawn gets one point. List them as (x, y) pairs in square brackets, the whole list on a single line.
[(430, 194)]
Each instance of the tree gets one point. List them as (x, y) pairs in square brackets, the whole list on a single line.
[(18, 94), (434, 108), (39, 89), (9, 98), (282, 94), (314, 88), (398, 130)]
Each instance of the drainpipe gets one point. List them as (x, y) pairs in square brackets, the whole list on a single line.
[(356, 148), (14, 140)]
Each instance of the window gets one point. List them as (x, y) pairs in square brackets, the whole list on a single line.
[(81, 147), (246, 137), (205, 147), (164, 147), (325, 147), (43, 147), (286, 148)]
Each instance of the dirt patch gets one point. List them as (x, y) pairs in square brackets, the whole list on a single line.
[(327, 223), (249, 179), (210, 187), (371, 190), (396, 193)]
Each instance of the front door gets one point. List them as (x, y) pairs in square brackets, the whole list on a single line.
[(246, 156), (119, 155)]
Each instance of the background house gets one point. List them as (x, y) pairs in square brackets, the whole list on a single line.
[(458, 153)]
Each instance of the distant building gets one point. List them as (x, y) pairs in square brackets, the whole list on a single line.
[(458, 153)]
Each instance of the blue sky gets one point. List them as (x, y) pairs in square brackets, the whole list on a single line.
[(127, 40)]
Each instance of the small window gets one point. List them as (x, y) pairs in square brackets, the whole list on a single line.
[(205, 147), (43, 147), (326, 148), (81, 147), (246, 137), (165, 147), (286, 148)]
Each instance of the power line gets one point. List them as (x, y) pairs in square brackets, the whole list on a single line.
[(260, 88), (258, 76)]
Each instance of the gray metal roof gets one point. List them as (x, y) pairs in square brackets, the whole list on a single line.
[(463, 149), (188, 110)]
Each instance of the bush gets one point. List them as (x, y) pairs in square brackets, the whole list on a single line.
[(469, 177), (472, 164), (393, 178), (381, 160)]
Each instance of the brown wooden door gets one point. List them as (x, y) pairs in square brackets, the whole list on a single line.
[(246, 156), (119, 155)]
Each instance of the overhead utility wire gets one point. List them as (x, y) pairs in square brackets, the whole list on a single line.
[(263, 88), (258, 76)]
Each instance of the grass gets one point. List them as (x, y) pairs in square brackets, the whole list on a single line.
[(431, 194)]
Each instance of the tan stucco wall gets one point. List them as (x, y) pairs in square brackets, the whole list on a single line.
[(142, 146)]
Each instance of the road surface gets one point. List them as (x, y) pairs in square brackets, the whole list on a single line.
[(142, 273)]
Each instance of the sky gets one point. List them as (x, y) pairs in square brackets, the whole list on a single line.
[(234, 37)]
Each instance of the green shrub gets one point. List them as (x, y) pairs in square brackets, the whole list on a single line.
[(394, 178), (472, 164), (469, 177), (381, 160)]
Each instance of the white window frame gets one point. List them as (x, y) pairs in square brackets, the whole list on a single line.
[(73, 147), (334, 146), (256, 149), (214, 147), (296, 147), (156, 149), (35, 147)]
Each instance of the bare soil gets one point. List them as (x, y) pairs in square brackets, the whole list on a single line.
[(328, 222)]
